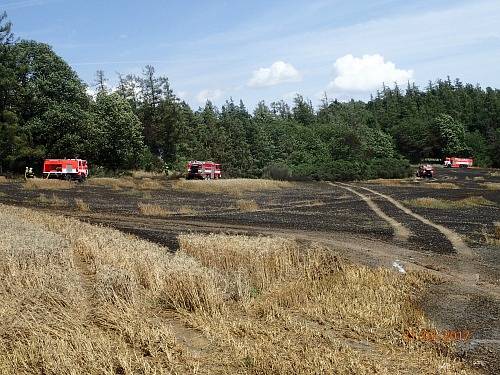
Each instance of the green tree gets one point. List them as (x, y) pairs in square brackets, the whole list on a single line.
[(235, 122), (450, 134), (120, 133)]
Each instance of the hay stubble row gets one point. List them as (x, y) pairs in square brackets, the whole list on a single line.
[(87, 299)]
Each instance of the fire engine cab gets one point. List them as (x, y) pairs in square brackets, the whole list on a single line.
[(203, 170), (68, 169), (453, 162)]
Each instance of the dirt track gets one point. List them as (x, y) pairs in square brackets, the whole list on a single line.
[(450, 243)]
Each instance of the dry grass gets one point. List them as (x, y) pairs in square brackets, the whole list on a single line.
[(495, 174), (53, 200), (149, 209), (46, 184), (235, 186), (476, 201), (440, 185), (412, 183), (392, 182), (247, 205), (478, 178), (145, 174), (184, 210), (491, 185), (494, 238), (149, 184), (3, 180), (127, 183), (303, 311), (81, 205), (87, 299)]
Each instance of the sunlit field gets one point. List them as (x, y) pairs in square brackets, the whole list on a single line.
[(86, 299)]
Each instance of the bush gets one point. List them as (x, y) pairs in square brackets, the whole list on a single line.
[(388, 168), (152, 163), (349, 170), (276, 172), (342, 170)]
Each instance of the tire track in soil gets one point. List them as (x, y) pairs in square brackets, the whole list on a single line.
[(424, 238), (401, 232), (458, 244)]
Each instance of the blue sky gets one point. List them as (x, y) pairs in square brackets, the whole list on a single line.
[(270, 50)]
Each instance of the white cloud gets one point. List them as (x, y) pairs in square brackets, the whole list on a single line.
[(367, 73), (211, 95), (278, 72)]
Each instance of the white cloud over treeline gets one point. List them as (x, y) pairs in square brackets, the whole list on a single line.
[(279, 72), (367, 73)]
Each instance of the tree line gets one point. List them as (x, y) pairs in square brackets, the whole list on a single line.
[(45, 111)]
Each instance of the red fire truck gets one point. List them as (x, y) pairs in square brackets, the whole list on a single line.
[(452, 162), (68, 169), (203, 170)]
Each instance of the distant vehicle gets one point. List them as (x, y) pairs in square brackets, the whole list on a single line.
[(203, 170), (452, 162), (67, 169), (425, 171)]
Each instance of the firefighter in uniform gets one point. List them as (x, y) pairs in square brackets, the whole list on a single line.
[(28, 173)]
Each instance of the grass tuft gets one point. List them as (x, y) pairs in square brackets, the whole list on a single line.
[(440, 185), (391, 182), (491, 185), (46, 184), (145, 174), (53, 200), (184, 210), (493, 238), (235, 186), (425, 202), (149, 209), (247, 205), (127, 183), (81, 205)]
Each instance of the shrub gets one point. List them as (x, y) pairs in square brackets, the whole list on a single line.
[(389, 168), (276, 172)]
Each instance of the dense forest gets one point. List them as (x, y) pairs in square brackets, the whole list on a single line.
[(45, 111)]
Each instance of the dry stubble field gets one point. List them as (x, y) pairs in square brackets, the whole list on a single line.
[(291, 298), (84, 299)]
